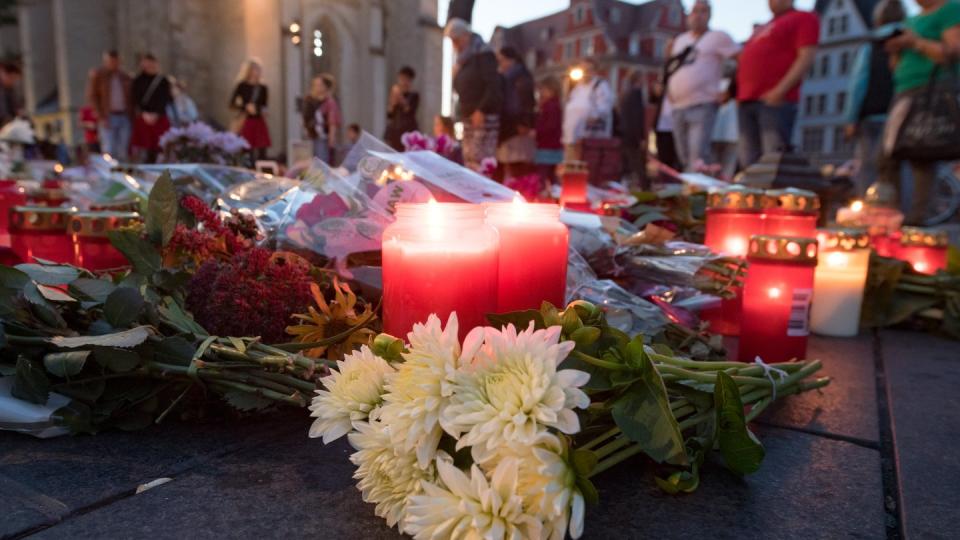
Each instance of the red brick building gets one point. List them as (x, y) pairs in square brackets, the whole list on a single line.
[(621, 36)]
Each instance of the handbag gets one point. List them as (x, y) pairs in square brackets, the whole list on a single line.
[(925, 126)]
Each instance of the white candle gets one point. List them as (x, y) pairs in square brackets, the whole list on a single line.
[(838, 292)]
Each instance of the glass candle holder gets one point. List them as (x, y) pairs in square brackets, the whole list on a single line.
[(52, 192), (439, 258), (924, 249), (733, 215), (92, 248), (574, 177), (11, 195), (41, 232), (776, 298), (791, 212), (533, 254), (839, 281)]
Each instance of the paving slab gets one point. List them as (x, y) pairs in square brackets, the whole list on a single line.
[(41, 481), (923, 374), (809, 487), (847, 408)]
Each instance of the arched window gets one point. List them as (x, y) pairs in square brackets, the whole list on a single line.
[(323, 49)]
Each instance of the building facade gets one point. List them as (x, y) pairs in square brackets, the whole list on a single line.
[(622, 37), (360, 42), (844, 27)]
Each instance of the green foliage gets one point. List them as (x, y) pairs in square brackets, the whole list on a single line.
[(741, 450), (162, 209)]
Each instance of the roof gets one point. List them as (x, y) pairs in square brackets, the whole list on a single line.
[(865, 7)]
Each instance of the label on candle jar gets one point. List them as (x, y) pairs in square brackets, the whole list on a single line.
[(799, 323)]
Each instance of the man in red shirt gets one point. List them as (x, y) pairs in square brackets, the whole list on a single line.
[(772, 66)]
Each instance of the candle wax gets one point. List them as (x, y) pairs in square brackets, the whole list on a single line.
[(437, 278), (837, 298)]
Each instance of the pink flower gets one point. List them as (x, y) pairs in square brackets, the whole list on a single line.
[(488, 166), (445, 145), (527, 186), (323, 206), (415, 140)]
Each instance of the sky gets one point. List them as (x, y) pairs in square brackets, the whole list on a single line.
[(734, 16)]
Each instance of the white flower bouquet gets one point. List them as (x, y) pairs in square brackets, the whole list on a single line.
[(498, 436)]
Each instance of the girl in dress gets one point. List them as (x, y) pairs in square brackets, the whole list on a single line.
[(249, 100)]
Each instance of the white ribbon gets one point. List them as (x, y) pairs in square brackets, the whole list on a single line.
[(768, 372)]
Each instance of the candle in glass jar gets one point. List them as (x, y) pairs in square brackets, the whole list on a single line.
[(11, 195), (839, 281), (533, 254), (791, 212), (574, 177), (92, 247), (734, 214), (924, 249), (439, 258), (776, 298), (41, 232)]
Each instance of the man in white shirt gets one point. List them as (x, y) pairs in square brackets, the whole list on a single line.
[(588, 113), (694, 88)]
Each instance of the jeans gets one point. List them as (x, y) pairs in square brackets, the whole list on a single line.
[(321, 150), (764, 129), (692, 131), (115, 136), (867, 153)]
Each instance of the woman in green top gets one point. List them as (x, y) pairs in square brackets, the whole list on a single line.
[(929, 39)]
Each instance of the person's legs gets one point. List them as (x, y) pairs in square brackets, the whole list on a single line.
[(751, 144), (105, 132), (122, 135), (787, 115), (924, 176), (700, 121), (771, 129), (681, 136), (867, 154), (888, 172)]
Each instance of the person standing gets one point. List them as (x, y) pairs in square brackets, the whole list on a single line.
[(694, 87), (249, 100), (633, 131), (588, 113), (517, 147), (111, 99), (772, 66), (10, 103), (182, 110), (150, 94), (402, 112), (549, 129), (321, 117), (87, 115), (479, 91), (930, 41)]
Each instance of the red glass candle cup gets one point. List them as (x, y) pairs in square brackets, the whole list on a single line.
[(50, 193), (10, 195), (776, 298), (533, 255), (439, 258), (734, 214), (574, 177), (791, 212), (41, 232), (924, 249), (92, 248)]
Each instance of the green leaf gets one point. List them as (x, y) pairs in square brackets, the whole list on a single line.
[(953, 259), (162, 207), (54, 295), (741, 450), (584, 462), (176, 316), (96, 290), (905, 305), (142, 254), (643, 414), (125, 339), (123, 307), (65, 364), (74, 416), (588, 490), (519, 319), (30, 383), (245, 401), (388, 347), (11, 278), (116, 360), (679, 482), (50, 275), (175, 350)]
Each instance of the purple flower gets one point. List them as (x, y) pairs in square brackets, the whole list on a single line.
[(488, 166), (415, 140)]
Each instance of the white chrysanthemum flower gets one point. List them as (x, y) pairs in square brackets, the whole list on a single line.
[(386, 477), (471, 507), (548, 484), (420, 390), (511, 391), (351, 393)]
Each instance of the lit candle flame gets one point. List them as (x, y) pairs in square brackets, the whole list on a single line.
[(920, 266), (836, 259), (774, 292), (856, 206), (736, 246)]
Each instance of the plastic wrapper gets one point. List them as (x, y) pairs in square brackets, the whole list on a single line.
[(448, 181), (670, 263)]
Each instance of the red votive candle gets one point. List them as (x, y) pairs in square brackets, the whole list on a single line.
[(439, 258), (10, 195), (574, 177), (924, 249), (533, 255), (776, 298), (41, 232), (92, 248), (791, 212), (734, 214)]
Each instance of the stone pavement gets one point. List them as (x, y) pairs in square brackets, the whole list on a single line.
[(874, 455)]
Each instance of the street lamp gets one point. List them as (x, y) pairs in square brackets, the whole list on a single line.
[(293, 30), (576, 74)]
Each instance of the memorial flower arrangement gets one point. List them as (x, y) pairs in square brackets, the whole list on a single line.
[(500, 435), (200, 143)]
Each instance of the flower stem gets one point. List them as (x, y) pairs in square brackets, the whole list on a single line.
[(612, 366)]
